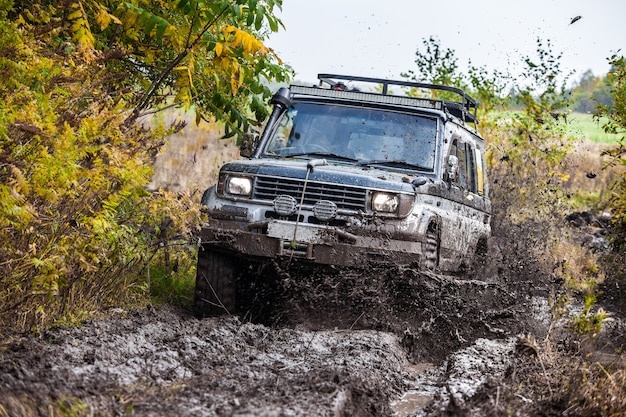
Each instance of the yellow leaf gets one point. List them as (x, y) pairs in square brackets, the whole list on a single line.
[(115, 19), (189, 76), (240, 38), (235, 80), (20, 181), (218, 49), (20, 21), (74, 15), (103, 19)]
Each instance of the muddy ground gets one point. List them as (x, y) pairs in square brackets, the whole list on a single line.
[(376, 341)]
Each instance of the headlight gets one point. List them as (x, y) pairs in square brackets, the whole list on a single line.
[(239, 186), (385, 202), (399, 205)]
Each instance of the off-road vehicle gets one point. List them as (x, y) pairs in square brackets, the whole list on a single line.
[(343, 176)]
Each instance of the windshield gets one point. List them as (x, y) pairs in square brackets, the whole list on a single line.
[(357, 134)]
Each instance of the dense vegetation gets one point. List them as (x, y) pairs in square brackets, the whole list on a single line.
[(80, 81), (616, 115)]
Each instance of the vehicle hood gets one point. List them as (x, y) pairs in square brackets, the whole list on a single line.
[(347, 174)]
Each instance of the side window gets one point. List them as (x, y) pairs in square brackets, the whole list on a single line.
[(471, 169), (454, 151), (462, 155), (470, 174), (462, 152), (480, 173)]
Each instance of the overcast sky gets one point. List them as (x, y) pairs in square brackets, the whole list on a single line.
[(379, 38)]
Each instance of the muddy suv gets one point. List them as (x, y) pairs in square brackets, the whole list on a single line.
[(342, 176)]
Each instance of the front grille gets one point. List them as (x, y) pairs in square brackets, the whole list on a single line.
[(345, 197)]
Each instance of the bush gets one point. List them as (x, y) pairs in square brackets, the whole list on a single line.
[(79, 225)]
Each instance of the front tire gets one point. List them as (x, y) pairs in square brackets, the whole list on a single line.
[(216, 283)]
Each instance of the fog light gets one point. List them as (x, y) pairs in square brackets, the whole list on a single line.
[(285, 205), (325, 210)]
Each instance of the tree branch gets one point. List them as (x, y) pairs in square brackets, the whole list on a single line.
[(156, 84)]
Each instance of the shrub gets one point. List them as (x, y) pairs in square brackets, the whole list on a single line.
[(79, 227)]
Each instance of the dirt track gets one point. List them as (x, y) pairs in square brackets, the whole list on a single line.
[(375, 342)]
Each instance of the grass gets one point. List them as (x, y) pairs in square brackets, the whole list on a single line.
[(172, 287), (583, 125)]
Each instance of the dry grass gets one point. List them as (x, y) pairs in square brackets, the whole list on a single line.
[(588, 183), (599, 390), (576, 263), (191, 159)]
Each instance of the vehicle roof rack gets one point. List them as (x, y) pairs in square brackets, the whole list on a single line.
[(464, 109)]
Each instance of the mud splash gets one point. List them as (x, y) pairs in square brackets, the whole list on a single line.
[(331, 343)]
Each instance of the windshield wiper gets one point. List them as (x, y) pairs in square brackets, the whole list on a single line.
[(392, 163), (326, 154)]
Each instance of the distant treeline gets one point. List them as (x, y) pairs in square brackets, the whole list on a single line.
[(589, 92), (585, 95)]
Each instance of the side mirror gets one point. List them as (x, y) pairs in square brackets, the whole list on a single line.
[(248, 144), (453, 167)]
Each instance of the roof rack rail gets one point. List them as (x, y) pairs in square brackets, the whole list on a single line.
[(465, 109)]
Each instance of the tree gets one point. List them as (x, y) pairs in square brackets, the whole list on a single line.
[(195, 52), (435, 65), (78, 224)]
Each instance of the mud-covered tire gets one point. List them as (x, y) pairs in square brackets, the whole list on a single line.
[(430, 249), (216, 283)]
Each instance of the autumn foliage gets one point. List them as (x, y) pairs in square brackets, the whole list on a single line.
[(77, 149)]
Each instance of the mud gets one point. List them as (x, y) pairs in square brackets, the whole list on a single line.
[(165, 362), (373, 341)]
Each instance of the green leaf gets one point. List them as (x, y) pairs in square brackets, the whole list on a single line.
[(258, 23), (161, 28), (151, 24), (37, 263), (236, 10), (273, 24)]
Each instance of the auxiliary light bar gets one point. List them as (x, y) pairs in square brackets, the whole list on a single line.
[(369, 97)]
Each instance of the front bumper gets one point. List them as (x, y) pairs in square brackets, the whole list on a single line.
[(313, 243)]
